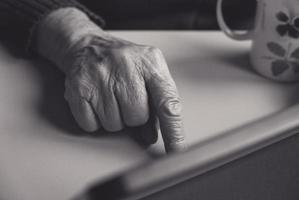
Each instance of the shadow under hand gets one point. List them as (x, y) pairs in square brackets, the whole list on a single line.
[(52, 105)]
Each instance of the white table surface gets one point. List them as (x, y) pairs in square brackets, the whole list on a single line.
[(42, 158)]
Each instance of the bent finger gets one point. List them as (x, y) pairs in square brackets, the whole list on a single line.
[(133, 102), (107, 109), (83, 113)]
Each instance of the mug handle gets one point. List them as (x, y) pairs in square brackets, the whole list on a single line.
[(232, 34)]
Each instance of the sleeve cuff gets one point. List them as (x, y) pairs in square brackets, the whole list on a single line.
[(29, 13)]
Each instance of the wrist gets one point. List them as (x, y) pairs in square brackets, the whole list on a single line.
[(60, 31)]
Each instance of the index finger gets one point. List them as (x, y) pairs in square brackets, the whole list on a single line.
[(166, 101)]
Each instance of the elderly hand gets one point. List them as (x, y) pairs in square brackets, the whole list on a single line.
[(111, 83)]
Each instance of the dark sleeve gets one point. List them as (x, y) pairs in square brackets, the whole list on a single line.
[(18, 18)]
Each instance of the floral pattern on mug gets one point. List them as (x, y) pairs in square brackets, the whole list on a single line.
[(285, 60), (288, 26)]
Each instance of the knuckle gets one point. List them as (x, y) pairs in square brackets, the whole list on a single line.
[(85, 91), (125, 52), (158, 52), (81, 87), (171, 107), (155, 51), (157, 61)]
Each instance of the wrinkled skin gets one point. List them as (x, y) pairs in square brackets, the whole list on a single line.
[(112, 83)]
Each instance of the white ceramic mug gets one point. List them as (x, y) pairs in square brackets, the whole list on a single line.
[(275, 38)]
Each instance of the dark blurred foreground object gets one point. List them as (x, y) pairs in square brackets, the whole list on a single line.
[(171, 14), (258, 161)]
